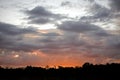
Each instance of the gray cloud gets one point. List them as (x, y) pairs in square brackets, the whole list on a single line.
[(77, 26), (115, 5), (21, 41), (7, 34), (9, 29), (39, 11), (11, 36), (66, 3), (82, 27), (99, 13), (40, 21), (70, 40), (51, 34), (40, 15), (71, 37), (113, 42), (110, 48)]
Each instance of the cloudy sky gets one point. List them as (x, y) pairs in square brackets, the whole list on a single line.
[(59, 32)]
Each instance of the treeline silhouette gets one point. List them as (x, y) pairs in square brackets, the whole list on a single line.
[(87, 72)]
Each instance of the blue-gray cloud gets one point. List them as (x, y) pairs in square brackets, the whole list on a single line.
[(11, 36), (115, 5), (82, 27), (99, 13), (41, 15)]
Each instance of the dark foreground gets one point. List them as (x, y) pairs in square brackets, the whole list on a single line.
[(86, 72)]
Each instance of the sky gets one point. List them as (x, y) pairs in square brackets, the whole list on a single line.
[(59, 32)]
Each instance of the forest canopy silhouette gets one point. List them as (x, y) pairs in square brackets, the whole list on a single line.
[(87, 72)]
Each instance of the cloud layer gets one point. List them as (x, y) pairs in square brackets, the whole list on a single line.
[(92, 36)]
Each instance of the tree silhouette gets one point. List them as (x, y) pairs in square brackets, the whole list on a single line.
[(87, 72)]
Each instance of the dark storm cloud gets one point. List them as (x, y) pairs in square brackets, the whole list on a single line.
[(40, 15)]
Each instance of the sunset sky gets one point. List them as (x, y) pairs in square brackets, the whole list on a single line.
[(59, 32)]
